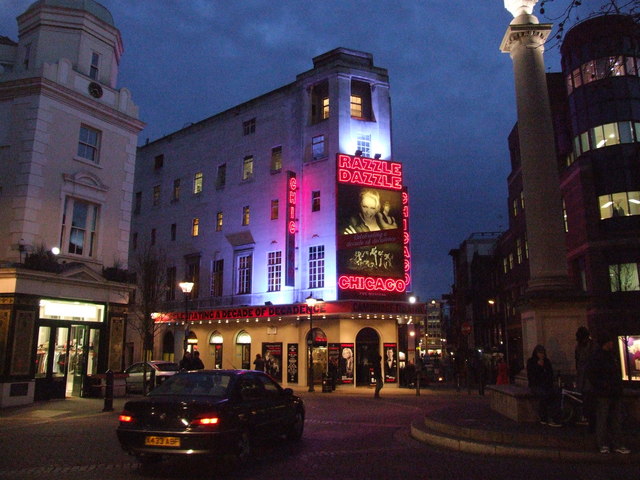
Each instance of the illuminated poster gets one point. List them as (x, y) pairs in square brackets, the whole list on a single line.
[(272, 354), (292, 363), (390, 360), (370, 228), (346, 363)]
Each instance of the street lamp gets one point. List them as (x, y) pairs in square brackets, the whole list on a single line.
[(186, 288), (311, 302)]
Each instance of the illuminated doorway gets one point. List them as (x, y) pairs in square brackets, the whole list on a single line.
[(320, 354), (367, 349)]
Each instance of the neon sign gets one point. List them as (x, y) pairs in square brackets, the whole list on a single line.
[(369, 172), (381, 284), (406, 238), (292, 190)]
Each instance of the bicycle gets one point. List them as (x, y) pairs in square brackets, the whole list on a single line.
[(571, 403)]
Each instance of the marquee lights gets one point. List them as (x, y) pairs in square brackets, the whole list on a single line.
[(369, 172)]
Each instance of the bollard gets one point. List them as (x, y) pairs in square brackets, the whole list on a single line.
[(108, 392)]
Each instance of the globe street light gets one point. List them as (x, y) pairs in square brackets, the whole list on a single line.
[(186, 288)]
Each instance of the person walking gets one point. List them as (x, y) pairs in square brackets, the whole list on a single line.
[(585, 348), (377, 374), (603, 371), (258, 363), (196, 362), (540, 377)]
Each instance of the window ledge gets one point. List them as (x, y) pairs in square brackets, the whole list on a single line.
[(86, 162)]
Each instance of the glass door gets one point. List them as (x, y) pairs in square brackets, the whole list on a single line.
[(77, 363)]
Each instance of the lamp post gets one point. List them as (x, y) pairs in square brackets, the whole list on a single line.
[(311, 302), (186, 288)]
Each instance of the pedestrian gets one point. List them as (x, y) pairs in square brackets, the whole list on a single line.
[(186, 363), (585, 348), (603, 372), (377, 374), (258, 363), (540, 376), (196, 362)]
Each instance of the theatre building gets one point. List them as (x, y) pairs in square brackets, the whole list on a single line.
[(289, 215)]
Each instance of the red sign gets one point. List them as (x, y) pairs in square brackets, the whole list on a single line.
[(369, 172), (290, 254)]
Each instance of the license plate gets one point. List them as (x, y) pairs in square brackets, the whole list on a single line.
[(162, 441)]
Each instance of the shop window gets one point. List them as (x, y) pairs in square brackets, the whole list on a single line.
[(623, 277), (215, 345)]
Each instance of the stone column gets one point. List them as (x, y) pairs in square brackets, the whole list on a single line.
[(552, 311)]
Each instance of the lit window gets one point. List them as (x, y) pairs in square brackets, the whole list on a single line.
[(244, 263), (605, 135), (624, 277), (356, 106), (195, 227), (325, 108), (564, 216), (95, 66), (79, 227), (316, 266), (274, 209), (363, 143), (245, 215), (247, 168), (219, 222), (276, 159), (522, 200), (221, 178), (317, 147), (88, 144), (274, 271), (519, 250), (249, 126), (156, 195), (619, 204), (514, 205), (197, 182), (176, 190), (315, 201)]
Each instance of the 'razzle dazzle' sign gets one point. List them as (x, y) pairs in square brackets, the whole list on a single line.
[(292, 196), (371, 224)]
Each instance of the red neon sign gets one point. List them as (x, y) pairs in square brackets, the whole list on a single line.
[(369, 172), (381, 284), (406, 238), (292, 188)]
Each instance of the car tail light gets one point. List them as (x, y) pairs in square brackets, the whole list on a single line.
[(126, 417), (206, 420)]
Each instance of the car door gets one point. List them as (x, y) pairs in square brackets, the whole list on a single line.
[(251, 404), (278, 411), (134, 380)]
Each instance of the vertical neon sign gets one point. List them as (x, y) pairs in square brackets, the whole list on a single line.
[(406, 238), (290, 254)]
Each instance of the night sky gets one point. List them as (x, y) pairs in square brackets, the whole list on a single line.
[(452, 89)]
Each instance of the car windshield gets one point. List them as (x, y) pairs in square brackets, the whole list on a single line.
[(167, 367), (194, 383)]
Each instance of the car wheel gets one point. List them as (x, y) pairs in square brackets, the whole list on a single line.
[(295, 430), (243, 446), (148, 458)]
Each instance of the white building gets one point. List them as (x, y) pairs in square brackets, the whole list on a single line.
[(68, 140), (252, 205)]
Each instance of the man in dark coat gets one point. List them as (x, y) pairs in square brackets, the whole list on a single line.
[(604, 374), (377, 374)]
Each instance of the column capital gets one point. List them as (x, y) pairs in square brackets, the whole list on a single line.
[(530, 35)]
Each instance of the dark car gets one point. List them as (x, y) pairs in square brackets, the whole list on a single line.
[(156, 372), (209, 412)]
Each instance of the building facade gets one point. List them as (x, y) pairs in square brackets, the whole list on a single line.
[(68, 140), (290, 196)]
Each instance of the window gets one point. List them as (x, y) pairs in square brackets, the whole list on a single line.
[(244, 266), (171, 283), (317, 147), (249, 126), (219, 222), (320, 102), (315, 201), (88, 144), (245, 215), (153, 236), (356, 106), (564, 216), (522, 200), (316, 266), (276, 159), (274, 271), (514, 205), (195, 227), (363, 143), (221, 177), (193, 274), (94, 69), (619, 204), (274, 209), (156, 195), (158, 162), (176, 190), (605, 135), (138, 203), (197, 183), (216, 278), (623, 277), (519, 250), (27, 57), (173, 231), (247, 168), (79, 227)]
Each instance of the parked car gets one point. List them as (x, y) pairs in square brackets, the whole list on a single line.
[(209, 412), (157, 370)]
